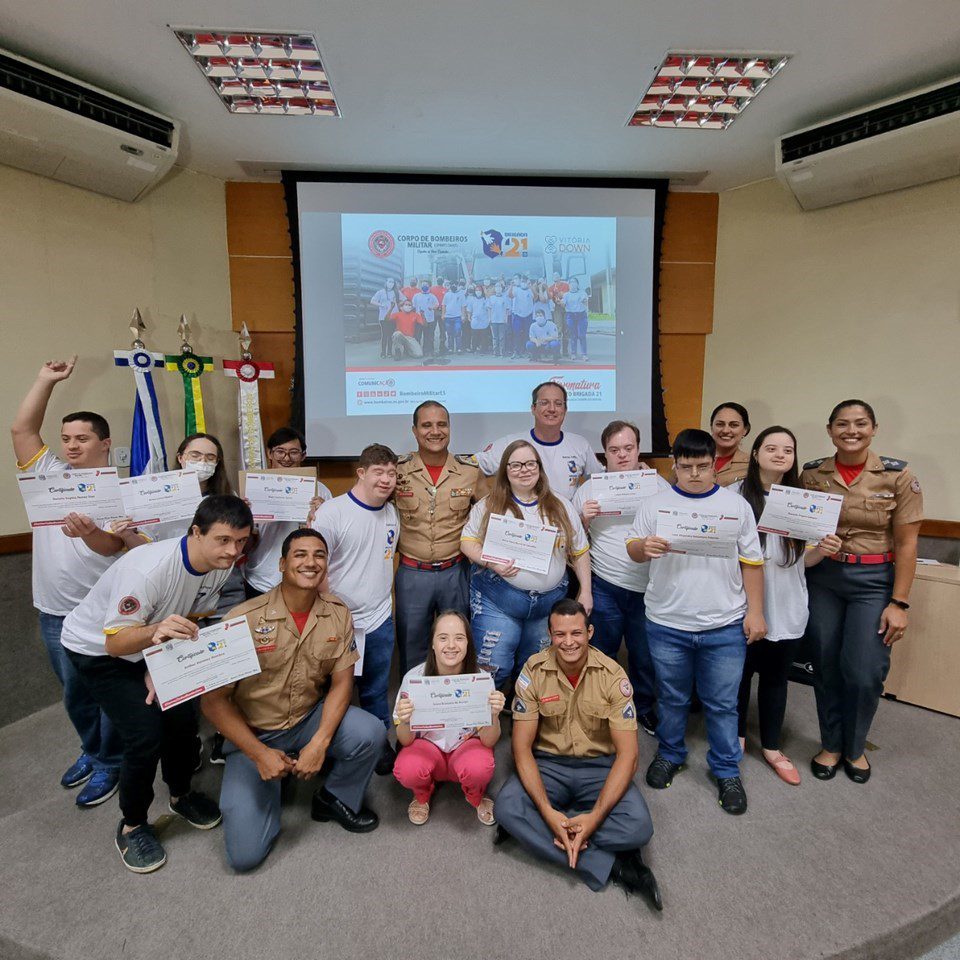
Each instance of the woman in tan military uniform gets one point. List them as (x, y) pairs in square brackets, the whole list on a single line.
[(729, 424), (858, 597)]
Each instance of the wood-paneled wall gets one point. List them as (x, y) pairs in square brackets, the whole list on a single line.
[(261, 285)]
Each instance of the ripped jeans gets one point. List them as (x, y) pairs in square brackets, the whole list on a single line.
[(509, 625)]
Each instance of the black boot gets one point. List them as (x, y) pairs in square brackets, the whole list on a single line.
[(631, 873)]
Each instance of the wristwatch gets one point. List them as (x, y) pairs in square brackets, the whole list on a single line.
[(902, 604)]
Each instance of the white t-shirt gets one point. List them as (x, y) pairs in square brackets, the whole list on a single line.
[(144, 586), (784, 588), (698, 593), (608, 545), (447, 739), (262, 568), (361, 540), (64, 568), (525, 580), (565, 461)]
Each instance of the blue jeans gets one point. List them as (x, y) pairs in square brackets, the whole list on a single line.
[(509, 625), (97, 736), (618, 614), (372, 684), (714, 659), (577, 332)]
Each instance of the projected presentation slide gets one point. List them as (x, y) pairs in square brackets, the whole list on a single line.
[(471, 294)]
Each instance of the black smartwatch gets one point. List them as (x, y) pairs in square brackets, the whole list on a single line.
[(902, 604)]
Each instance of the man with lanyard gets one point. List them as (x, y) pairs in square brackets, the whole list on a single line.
[(434, 492), (67, 562), (572, 800), (287, 719), (567, 457)]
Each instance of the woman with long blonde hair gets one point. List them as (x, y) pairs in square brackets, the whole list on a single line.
[(509, 606)]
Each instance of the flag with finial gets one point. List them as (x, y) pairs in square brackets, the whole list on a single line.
[(147, 451), (191, 368), (249, 373)]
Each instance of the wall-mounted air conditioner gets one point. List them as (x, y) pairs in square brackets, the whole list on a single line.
[(898, 143), (62, 128)]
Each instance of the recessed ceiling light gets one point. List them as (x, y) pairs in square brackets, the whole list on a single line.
[(273, 72), (704, 91)]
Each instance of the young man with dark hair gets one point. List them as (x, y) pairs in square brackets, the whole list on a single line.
[(435, 490), (361, 528), (287, 719), (67, 562), (154, 593), (572, 800), (701, 613), (567, 457), (286, 448)]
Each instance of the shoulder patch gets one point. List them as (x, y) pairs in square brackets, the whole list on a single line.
[(889, 463), (406, 458), (813, 464), (629, 713), (468, 459), (519, 706), (128, 606)]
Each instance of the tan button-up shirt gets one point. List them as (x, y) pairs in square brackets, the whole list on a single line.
[(432, 517), (735, 469), (294, 667), (884, 494), (575, 722)]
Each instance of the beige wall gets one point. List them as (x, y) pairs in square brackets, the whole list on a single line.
[(857, 300), (73, 265)]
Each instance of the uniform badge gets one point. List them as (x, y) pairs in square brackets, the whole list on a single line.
[(461, 491), (128, 606), (550, 699), (625, 688), (523, 681), (405, 493), (629, 713), (519, 706)]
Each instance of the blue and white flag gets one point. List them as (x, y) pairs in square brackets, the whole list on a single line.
[(147, 451)]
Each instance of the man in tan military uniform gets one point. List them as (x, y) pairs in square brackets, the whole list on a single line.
[(288, 718), (573, 800), (434, 492)]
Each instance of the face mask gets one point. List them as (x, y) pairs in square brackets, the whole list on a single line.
[(204, 471), (424, 287)]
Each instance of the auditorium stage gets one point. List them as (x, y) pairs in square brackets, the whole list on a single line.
[(824, 870)]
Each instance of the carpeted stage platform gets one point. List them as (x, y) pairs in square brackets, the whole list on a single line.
[(823, 870)]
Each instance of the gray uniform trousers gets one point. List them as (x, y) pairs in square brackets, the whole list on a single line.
[(850, 661), (420, 596), (573, 785), (251, 806)]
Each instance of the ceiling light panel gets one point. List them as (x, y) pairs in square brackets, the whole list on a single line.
[(278, 73), (704, 91)]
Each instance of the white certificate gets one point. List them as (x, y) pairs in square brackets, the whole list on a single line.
[(699, 533), (158, 497), (620, 494), (183, 669), (49, 497), (527, 545), (458, 701), (279, 496), (804, 514)]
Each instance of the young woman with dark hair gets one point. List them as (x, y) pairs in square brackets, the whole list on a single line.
[(463, 755), (773, 459), (509, 606)]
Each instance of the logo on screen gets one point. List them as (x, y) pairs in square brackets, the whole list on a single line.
[(381, 243), (492, 243)]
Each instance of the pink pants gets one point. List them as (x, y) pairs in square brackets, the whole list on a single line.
[(422, 765)]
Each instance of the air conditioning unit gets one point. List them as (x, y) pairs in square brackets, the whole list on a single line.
[(70, 131), (891, 145)]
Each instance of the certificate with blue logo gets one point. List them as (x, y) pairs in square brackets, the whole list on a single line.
[(279, 496), (184, 669), (620, 494), (528, 546), (458, 701), (804, 514), (49, 497), (157, 497), (699, 533)]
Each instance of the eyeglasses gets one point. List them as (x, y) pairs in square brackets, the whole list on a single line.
[(196, 457), (695, 468), (280, 453), (518, 466)]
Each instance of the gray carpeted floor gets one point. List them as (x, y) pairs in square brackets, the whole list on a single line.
[(828, 869)]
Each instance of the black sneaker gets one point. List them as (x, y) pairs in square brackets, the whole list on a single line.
[(661, 772), (732, 796), (648, 722), (140, 850), (630, 872), (216, 750), (198, 810), (387, 759)]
